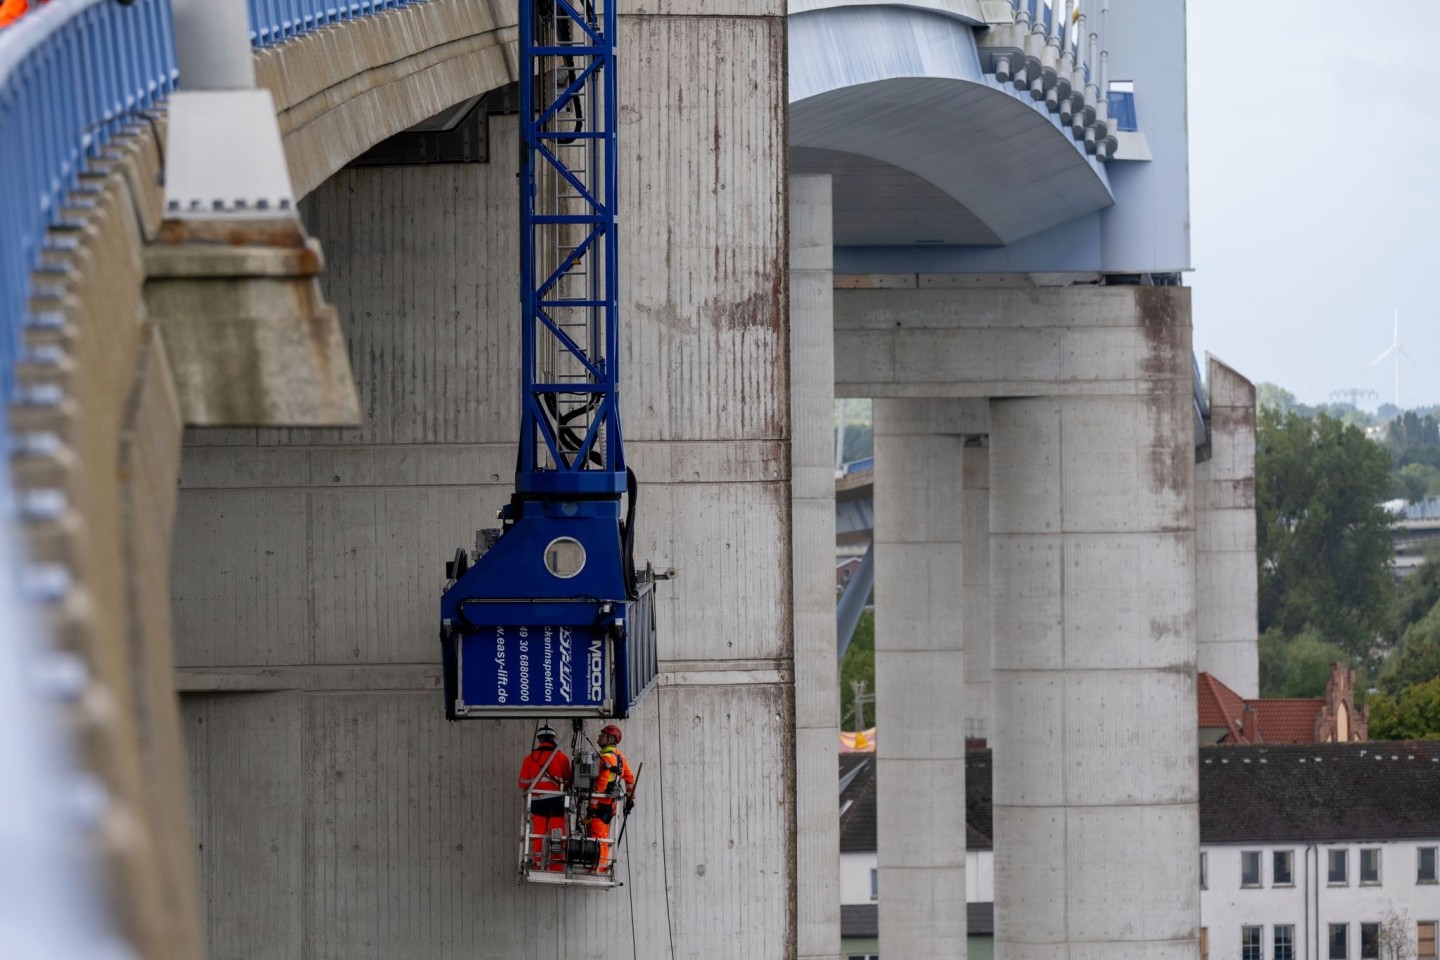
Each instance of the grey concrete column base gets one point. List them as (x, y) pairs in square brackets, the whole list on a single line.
[(246, 329)]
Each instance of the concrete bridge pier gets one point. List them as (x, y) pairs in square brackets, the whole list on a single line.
[(920, 636), (975, 573), (812, 519), (337, 811), (1226, 578), (1092, 542), (1092, 552), (1086, 396)]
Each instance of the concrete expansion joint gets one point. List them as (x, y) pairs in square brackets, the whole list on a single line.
[(1117, 534), (1077, 805), (1180, 668), (897, 650), (314, 678), (726, 17), (706, 673)]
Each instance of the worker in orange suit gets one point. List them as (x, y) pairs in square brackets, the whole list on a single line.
[(12, 10), (547, 770), (615, 781)]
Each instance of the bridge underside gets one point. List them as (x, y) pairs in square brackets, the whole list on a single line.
[(909, 119)]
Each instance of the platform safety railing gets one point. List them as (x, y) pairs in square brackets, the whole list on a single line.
[(275, 21), (72, 74)]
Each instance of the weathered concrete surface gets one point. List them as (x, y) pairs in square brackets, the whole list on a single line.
[(1001, 342), (308, 562), (117, 425), (920, 630), (1226, 579), (342, 90), (250, 338), (1092, 548), (812, 517), (975, 578), (1091, 574)]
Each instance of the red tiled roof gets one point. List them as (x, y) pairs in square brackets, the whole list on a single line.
[(1272, 721), (1286, 721), (1219, 706)]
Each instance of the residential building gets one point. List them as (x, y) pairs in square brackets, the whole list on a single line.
[(859, 870), (1306, 851), (1226, 717)]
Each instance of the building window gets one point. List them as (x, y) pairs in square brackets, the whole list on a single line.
[(1339, 866), (1425, 871), (1249, 868), (1252, 945), (1284, 941), (1283, 869), (1369, 941), (1339, 941), (1425, 939), (1370, 865), (1204, 943), (874, 884)]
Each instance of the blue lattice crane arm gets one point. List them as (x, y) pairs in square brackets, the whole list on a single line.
[(553, 619)]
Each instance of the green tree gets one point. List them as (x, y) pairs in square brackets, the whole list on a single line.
[(1410, 429), (1418, 658), (1415, 596), (1268, 396), (859, 664), (1296, 666), (859, 441), (859, 428), (1416, 481), (1412, 714), (1323, 540)]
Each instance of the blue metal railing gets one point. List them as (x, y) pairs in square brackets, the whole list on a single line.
[(72, 74), (275, 21)]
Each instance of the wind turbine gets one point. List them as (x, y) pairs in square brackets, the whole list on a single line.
[(1398, 351)]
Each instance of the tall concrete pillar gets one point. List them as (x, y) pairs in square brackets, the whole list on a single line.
[(812, 533), (1092, 552), (339, 812), (976, 504), (1226, 578), (920, 676)]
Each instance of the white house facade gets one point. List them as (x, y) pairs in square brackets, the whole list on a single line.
[(858, 882), (1320, 852)]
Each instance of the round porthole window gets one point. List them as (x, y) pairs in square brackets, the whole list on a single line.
[(564, 557)]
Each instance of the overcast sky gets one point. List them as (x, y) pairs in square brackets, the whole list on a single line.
[(1315, 192)]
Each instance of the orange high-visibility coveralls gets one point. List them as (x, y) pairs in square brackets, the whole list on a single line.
[(613, 768), (12, 10), (546, 812)]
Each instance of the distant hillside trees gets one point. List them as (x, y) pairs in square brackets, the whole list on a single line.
[(1324, 550), (1413, 440)]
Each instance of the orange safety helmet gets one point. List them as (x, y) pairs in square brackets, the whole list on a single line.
[(611, 729)]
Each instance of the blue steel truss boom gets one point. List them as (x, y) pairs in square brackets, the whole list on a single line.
[(552, 618)]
